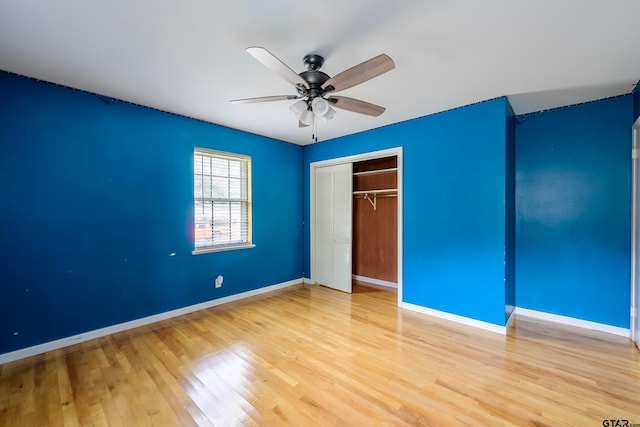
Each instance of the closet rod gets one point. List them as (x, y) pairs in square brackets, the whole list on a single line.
[(386, 190), (374, 200), (366, 196)]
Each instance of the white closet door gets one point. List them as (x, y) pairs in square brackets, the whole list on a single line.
[(342, 206), (333, 204), (324, 226)]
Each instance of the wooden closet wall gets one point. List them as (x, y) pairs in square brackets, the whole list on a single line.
[(375, 229)]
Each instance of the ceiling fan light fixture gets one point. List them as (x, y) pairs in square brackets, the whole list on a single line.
[(307, 117), (320, 106), (329, 114), (298, 108)]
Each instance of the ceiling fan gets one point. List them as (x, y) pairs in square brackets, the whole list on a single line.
[(315, 89)]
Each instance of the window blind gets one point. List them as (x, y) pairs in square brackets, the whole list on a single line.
[(222, 204)]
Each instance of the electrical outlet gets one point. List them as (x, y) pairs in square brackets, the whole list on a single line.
[(219, 281)]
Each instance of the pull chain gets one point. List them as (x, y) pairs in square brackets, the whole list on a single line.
[(314, 135)]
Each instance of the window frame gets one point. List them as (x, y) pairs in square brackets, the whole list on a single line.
[(246, 163)]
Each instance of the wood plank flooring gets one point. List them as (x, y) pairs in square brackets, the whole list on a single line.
[(308, 355)]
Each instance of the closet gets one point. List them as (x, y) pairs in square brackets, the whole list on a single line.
[(355, 216), (375, 221)]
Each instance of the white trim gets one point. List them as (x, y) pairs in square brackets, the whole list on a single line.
[(226, 154), (572, 321), (358, 158), (400, 195), (222, 248), (97, 333), (373, 281), (491, 327), (395, 151)]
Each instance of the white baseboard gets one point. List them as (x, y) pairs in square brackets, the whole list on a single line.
[(373, 281), (455, 318), (571, 321), (86, 336)]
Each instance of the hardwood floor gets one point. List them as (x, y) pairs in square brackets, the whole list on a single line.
[(308, 355)]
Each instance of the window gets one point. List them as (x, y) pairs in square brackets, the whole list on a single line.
[(221, 201)]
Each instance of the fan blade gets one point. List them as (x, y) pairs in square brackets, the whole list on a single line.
[(302, 125), (263, 99), (356, 106), (360, 73), (270, 61)]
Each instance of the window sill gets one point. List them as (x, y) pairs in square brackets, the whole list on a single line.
[(222, 248)]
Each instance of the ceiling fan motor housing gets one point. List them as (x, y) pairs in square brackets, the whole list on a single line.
[(313, 77)]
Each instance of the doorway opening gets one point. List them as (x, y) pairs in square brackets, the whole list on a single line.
[(374, 257)]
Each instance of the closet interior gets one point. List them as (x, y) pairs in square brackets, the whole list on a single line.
[(375, 221)]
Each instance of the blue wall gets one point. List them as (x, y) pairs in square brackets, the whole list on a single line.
[(95, 198), (573, 211), (454, 205)]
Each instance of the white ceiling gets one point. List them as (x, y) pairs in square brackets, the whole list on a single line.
[(188, 57)]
